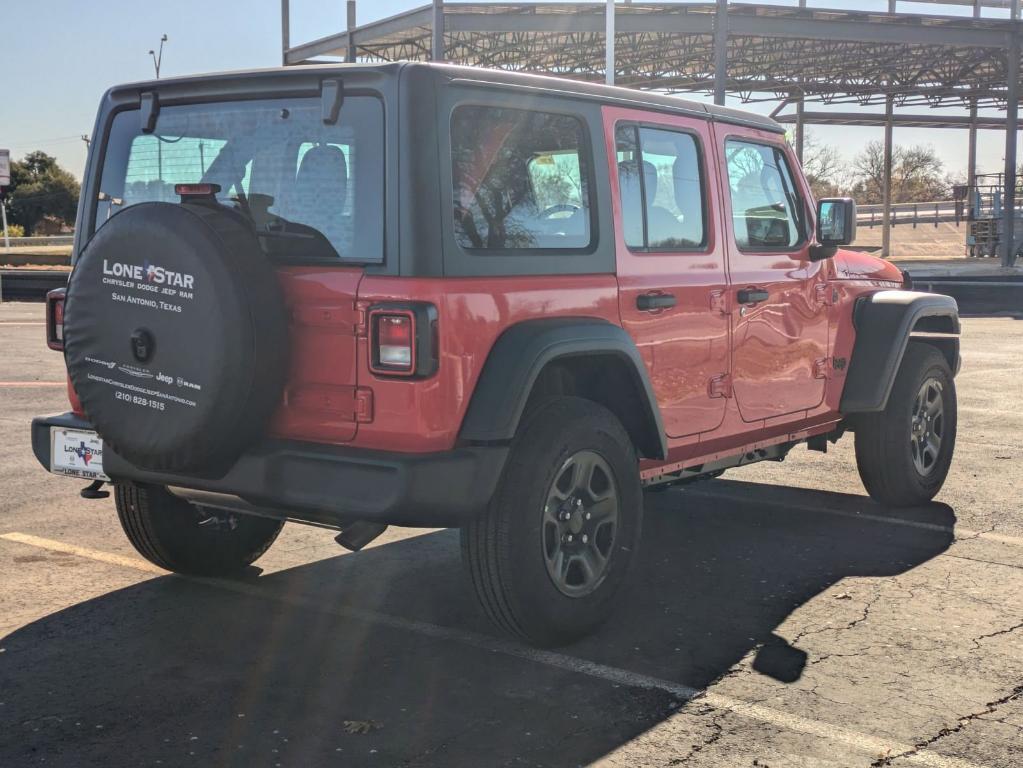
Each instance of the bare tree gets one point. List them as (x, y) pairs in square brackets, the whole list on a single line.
[(918, 174), (823, 167)]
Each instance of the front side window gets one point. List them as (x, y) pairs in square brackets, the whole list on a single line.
[(520, 179), (310, 189), (767, 212), (661, 187)]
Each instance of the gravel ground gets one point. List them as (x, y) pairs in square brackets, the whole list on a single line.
[(777, 618)]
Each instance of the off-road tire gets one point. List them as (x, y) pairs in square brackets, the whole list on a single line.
[(884, 454), (165, 530), (503, 549)]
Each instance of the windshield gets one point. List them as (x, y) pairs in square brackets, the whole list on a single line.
[(311, 190)]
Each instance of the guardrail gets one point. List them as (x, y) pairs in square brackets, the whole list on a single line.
[(43, 240), (30, 284), (913, 214)]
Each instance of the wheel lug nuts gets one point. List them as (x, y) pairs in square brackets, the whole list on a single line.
[(585, 538), (569, 537), (588, 515)]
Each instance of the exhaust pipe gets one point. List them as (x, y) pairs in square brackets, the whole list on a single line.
[(357, 535)]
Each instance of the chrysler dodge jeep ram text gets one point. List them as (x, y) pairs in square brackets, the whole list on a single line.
[(426, 295)]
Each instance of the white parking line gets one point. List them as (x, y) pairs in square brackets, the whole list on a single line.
[(860, 741), (960, 532)]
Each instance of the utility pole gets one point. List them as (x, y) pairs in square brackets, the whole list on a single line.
[(158, 58)]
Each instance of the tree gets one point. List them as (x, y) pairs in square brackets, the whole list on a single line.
[(918, 174), (41, 189), (823, 167)]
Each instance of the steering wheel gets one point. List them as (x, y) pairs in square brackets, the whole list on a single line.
[(550, 212)]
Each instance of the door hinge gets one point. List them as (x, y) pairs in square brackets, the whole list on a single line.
[(822, 368), (719, 301), (720, 386), (361, 318), (363, 405)]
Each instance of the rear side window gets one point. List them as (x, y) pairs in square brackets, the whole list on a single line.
[(767, 212), (521, 180), (660, 181)]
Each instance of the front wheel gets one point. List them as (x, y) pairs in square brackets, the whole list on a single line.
[(186, 538), (551, 551), (904, 452)]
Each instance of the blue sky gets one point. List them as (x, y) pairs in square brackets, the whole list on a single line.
[(60, 55)]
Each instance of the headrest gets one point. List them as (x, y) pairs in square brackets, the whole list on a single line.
[(325, 171)]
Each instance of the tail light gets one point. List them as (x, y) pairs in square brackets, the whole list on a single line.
[(55, 318), (403, 339)]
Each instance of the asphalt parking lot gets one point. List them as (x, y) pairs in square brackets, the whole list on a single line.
[(777, 618)]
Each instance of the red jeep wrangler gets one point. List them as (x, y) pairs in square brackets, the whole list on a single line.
[(425, 295)]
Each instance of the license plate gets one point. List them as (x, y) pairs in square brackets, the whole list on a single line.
[(76, 453)]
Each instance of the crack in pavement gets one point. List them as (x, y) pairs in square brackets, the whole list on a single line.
[(1009, 630), (989, 708), (714, 737)]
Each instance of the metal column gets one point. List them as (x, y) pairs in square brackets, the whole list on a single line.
[(720, 51), (285, 32), (609, 42), (971, 162), (437, 44), (886, 194), (350, 53), (800, 128), (886, 191), (1011, 137)]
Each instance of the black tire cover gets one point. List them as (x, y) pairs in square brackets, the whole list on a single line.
[(176, 336)]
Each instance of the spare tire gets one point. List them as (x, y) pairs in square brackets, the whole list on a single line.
[(176, 336)]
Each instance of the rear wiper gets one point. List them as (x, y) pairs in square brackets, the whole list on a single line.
[(285, 235)]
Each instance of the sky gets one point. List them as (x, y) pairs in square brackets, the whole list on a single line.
[(59, 56)]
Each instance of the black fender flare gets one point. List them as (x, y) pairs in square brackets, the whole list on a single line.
[(885, 322), (521, 353)]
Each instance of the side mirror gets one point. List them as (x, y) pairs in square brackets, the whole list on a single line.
[(836, 221)]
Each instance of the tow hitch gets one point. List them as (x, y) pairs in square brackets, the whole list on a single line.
[(92, 491)]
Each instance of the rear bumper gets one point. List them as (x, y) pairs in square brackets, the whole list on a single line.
[(325, 484)]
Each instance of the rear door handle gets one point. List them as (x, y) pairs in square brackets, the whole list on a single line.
[(753, 295), (649, 302)]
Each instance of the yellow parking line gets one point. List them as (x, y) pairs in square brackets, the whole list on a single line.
[(778, 718), (91, 554)]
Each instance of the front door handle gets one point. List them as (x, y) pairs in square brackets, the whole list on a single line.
[(649, 302), (753, 295)]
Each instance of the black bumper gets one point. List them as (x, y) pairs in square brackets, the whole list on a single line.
[(325, 484)]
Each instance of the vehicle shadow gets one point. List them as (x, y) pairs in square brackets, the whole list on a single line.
[(284, 669)]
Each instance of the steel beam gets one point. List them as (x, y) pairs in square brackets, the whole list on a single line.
[(437, 36), (350, 54), (800, 127), (609, 42), (285, 31), (886, 214), (877, 120), (1011, 137), (336, 45), (856, 31), (720, 51)]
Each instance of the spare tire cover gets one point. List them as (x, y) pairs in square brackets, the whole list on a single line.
[(176, 336)]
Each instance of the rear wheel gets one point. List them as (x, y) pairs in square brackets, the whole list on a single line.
[(186, 538), (553, 548), (904, 452)]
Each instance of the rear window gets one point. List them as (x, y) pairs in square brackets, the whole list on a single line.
[(311, 190), (521, 180)]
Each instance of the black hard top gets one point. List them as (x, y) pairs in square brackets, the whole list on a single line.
[(640, 99)]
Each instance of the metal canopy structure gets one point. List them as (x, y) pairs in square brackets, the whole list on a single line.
[(757, 52)]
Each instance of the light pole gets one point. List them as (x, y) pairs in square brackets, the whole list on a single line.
[(158, 58)]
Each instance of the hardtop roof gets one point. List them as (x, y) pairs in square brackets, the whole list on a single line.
[(534, 82)]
